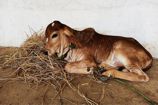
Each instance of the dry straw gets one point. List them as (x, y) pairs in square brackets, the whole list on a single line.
[(33, 65)]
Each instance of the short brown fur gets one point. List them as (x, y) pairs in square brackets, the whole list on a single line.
[(94, 49)]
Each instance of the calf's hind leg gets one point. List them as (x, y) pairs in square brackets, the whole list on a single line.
[(130, 76), (137, 75)]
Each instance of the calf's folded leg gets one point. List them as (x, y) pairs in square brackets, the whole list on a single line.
[(80, 67)]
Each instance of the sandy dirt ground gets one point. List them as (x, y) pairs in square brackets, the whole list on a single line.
[(13, 92)]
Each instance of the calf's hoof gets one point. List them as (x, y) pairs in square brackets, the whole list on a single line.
[(97, 72)]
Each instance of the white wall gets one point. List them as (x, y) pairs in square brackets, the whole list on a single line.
[(136, 18)]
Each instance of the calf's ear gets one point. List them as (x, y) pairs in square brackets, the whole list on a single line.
[(67, 32)]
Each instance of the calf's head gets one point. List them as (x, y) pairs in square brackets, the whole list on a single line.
[(57, 35)]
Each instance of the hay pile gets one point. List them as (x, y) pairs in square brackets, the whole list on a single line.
[(33, 66)]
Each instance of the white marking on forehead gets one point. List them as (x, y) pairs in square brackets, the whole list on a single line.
[(52, 24)]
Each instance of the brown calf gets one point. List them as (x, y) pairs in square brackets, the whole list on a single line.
[(93, 49)]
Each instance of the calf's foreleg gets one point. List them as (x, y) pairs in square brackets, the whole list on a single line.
[(80, 67)]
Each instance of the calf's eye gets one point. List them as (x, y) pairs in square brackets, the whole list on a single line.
[(55, 35)]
